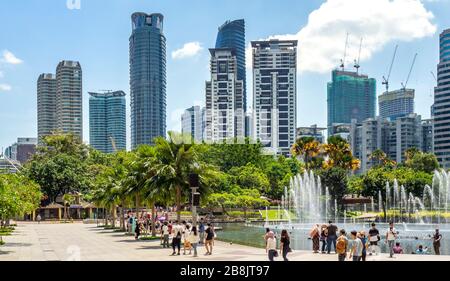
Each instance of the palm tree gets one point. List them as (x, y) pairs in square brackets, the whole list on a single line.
[(306, 147), (339, 154), (381, 158), (109, 195), (138, 173), (175, 160)]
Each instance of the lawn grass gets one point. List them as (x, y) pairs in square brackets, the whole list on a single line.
[(274, 215)]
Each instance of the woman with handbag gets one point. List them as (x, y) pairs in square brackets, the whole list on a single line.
[(285, 243)]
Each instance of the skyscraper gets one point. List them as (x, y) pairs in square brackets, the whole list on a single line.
[(69, 98), (192, 122), (107, 121), (147, 78), (225, 114), (275, 94), (392, 137), (22, 150), (394, 104), (232, 35), (350, 96), (441, 107), (46, 105)]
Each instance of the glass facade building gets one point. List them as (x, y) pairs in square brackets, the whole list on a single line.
[(225, 113), (441, 108), (395, 104), (350, 96), (232, 35), (69, 98), (193, 121), (275, 94), (147, 78), (46, 105), (107, 121)]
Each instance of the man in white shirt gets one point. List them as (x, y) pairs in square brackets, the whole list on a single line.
[(165, 235), (391, 235)]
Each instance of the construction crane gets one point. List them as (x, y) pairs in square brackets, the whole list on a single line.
[(435, 79), (386, 80), (409, 74), (357, 65), (434, 76), (345, 54)]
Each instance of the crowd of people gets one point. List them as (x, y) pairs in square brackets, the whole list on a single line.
[(357, 245), (325, 238), (354, 246), (174, 234)]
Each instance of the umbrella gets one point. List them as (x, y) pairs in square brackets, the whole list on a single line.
[(162, 218)]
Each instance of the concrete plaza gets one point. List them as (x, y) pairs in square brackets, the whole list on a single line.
[(87, 242)]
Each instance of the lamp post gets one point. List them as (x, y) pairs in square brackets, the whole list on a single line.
[(195, 196)]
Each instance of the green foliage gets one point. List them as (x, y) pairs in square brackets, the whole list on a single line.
[(245, 199), (60, 166), (249, 176), (229, 155), (355, 185), (425, 162), (335, 179), (18, 196)]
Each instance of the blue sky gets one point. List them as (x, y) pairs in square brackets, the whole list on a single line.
[(35, 35)]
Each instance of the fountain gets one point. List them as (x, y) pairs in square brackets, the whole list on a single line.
[(306, 202), (306, 195)]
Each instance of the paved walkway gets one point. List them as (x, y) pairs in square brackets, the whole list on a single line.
[(48, 242)]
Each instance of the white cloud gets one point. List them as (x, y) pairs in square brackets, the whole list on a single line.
[(189, 50), (10, 58), (5, 88), (1, 74), (378, 22)]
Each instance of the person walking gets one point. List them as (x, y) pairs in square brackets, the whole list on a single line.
[(315, 237), (186, 242), (437, 237), (374, 237), (356, 248), (332, 236), (194, 240), (39, 218), (285, 243), (391, 235), (138, 229), (364, 240), (323, 237), (342, 245), (201, 231), (165, 235), (209, 241), (177, 232), (271, 248)]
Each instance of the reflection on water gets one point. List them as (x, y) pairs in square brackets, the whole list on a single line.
[(410, 235)]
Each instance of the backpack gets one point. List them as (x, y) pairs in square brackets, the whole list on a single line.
[(341, 246)]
